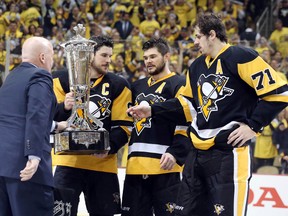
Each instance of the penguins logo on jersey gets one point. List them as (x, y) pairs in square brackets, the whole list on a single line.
[(170, 207), (210, 90), (145, 122), (218, 209), (99, 106)]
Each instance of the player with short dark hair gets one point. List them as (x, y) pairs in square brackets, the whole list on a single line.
[(96, 176), (157, 148), (233, 93)]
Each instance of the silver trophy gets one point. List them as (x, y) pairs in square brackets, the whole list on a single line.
[(81, 137)]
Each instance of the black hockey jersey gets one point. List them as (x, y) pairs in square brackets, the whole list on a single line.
[(152, 137), (236, 86), (110, 96)]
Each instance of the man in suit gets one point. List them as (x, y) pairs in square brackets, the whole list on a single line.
[(27, 105), (124, 26)]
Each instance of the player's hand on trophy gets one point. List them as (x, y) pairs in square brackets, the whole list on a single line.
[(100, 155), (167, 161), (62, 126), (30, 169), (69, 101)]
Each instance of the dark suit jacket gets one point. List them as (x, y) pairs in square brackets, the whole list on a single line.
[(119, 27), (27, 106)]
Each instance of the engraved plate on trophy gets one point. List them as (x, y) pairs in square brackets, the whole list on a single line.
[(82, 138)]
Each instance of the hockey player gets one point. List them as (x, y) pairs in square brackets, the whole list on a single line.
[(234, 93), (157, 148), (95, 176)]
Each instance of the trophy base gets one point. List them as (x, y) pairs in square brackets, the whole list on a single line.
[(81, 142)]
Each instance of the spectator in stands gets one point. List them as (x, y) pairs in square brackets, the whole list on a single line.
[(95, 29), (172, 27), (104, 14), (29, 15), (136, 11), (231, 26), (250, 34), (136, 39), (2, 57), (279, 38), (281, 138), (4, 23), (262, 44), (124, 26), (70, 33), (281, 12), (278, 56), (284, 66), (266, 55), (131, 60), (119, 68), (277, 67), (31, 31), (49, 18), (12, 13), (67, 6), (265, 149), (118, 44), (149, 26), (234, 39), (73, 16), (117, 8), (182, 8), (162, 12), (228, 10), (211, 6), (84, 15), (39, 31)]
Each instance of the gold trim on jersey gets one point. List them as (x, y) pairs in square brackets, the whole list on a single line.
[(204, 139), (261, 77), (279, 97), (89, 162), (187, 108), (148, 166), (187, 90), (201, 144), (127, 130), (208, 58), (58, 90), (181, 130), (242, 174), (97, 81), (150, 81), (117, 112)]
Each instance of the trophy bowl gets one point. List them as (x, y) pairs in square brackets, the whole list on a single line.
[(85, 133)]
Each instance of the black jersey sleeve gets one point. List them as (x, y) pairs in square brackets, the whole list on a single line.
[(180, 148), (171, 110)]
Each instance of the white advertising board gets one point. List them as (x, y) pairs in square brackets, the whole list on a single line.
[(268, 195)]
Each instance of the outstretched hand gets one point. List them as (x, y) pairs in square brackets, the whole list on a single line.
[(143, 110)]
